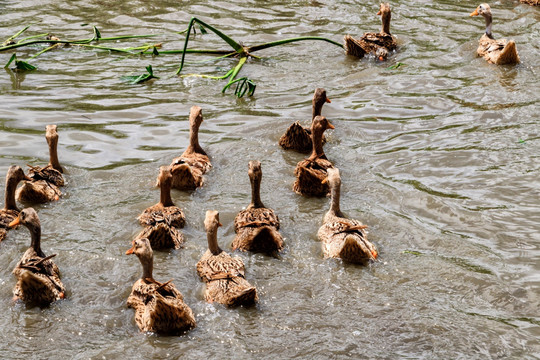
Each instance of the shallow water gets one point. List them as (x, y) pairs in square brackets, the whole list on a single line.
[(439, 157)]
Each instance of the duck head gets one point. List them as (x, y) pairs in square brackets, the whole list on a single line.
[(485, 11), (386, 15), (142, 248), (319, 99)]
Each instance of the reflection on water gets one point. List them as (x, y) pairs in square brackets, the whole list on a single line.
[(438, 157)]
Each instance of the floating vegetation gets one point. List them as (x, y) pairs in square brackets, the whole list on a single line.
[(137, 79), (19, 64), (243, 85), (396, 66)]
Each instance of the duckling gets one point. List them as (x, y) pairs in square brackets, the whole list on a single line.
[(163, 220), (499, 52), (341, 237), (299, 138), (46, 181), (312, 171), (188, 169), (38, 277), (257, 226), (378, 44), (10, 211), (159, 307), (223, 274)]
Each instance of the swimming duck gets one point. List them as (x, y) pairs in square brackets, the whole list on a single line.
[(499, 52), (299, 138), (223, 274), (159, 307), (312, 171), (163, 220), (46, 181), (531, 2), (10, 211), (341, 237), (257, 227), (38, 277), (188, 169), (378, 44)]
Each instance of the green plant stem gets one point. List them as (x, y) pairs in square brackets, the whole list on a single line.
[(211, 77), (18, 33), (286, 41)]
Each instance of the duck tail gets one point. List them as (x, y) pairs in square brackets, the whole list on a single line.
[(296, 138), (246, 296), (353, 47), (509, 54), (356, 250)]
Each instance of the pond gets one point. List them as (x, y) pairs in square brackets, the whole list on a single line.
[(439, 157)]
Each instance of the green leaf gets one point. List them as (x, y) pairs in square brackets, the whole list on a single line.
[(19, 64), (97, 34), (137, 79), (155, 52), (203, 30), (13, 57), (396, 66)]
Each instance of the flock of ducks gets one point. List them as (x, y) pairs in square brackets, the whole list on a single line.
[(159, 307)]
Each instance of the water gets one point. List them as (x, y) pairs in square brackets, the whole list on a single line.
[(439, 157)]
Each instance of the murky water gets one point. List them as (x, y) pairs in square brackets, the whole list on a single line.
[(439, 157)]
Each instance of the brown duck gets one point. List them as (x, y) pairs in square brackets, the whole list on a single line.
[(164, 220), (188, 169), (223, 274), (38, 277), (46, 181), (159, 307), (257, 226), (341, 237), (299, 138), (378, 44), (10, 211), (499, 52), (312, 171)]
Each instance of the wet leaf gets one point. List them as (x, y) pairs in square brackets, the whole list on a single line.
[(396, 66), (137, 79), (19, 64)]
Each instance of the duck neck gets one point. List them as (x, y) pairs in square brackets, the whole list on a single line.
[(335, 193), (489, 20), (194, 146), (35, 234), (148, 266), (318, 151), (256, 193), (165, 194), (316, 109), (53, 154), (9, 196), (385, 18), (212, 241)]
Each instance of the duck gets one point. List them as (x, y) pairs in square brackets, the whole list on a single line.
[(188, 169), (378, 44), (311, 172), (223, 274), (159, 307), (46, 182), (499, 52), (38, 277), (342, 237), (10, 211), (163, 220), (530, 2), (298, 138), (257, 226)]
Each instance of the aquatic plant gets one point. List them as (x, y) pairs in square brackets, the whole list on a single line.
[(244, 85)]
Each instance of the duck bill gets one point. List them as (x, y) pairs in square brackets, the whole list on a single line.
[(328, 100), (330, 126), (379, 12), (475, 12), (15, 222), (130, 251), (324, 181)]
